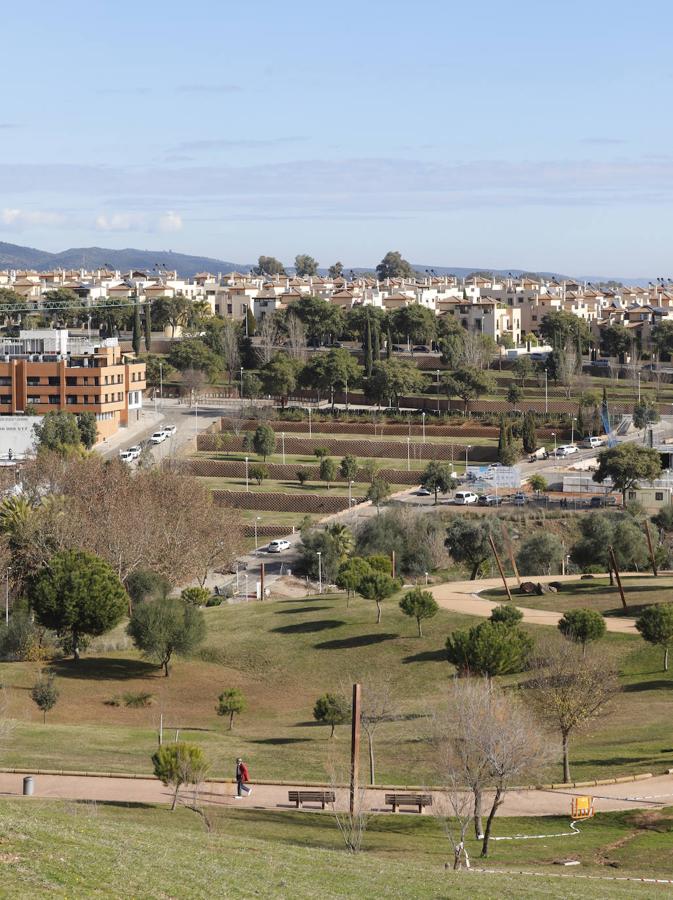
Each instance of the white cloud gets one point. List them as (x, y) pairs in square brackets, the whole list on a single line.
[(20, 218), (170, 222), (120, 222)]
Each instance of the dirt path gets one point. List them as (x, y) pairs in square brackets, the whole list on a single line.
[(648, 793), (463, 597)]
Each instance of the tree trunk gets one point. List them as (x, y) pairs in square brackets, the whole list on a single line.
[(435, 496), (478, 825), (231, 720), (475, 570), (370, 744), (75, 647), (666, 659), (566, 760), (165, 666), (175, 797), (44, 716), (420, 629), (378, 613), (497, 800), (331, 734)]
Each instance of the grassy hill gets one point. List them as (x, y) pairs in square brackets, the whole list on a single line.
[(106, 850)]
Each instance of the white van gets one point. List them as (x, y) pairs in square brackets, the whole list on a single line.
[(462, 498), (592, 442)]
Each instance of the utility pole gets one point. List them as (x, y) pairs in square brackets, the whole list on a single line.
[(355, 747)]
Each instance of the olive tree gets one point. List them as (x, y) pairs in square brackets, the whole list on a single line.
[(165, 627), (655, 625)]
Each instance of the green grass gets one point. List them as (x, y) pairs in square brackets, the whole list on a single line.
[(310, 460), (82, 850), (270, 485), (283, 655)]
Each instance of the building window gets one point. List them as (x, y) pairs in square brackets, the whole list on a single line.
[(632, 495), (53, 401), (659, 496)]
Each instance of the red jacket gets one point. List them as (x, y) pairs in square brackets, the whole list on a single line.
[(242, 772)]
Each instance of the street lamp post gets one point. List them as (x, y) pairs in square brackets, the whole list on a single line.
[(241, 382), (437, 391), (546, 395), (310, 433), (257, 518), (553, 434), (283, 440), (350, 493), (408, 454), (161, 385), (572, 430), (467, 450), (423, 418), (7, 571), (638, 387), (319, 571), (346, 395), (247, 485)]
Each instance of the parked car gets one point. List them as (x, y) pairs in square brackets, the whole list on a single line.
[(158, 437), (421, 348), (462, 498), (566, 450), (540, 453), (489, 500), (126, 456), (278, 546), (423, 492), (398, 349), (169, 430), (136, 450), (520, 500), (590, 442)]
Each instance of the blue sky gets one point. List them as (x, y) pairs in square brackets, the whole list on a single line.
[(488, 134)]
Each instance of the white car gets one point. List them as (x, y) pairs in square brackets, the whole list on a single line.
[(126, 456), (278, 546), (462, 498), (592, 443), (169, 430), (566, 450), (136, 450), (158, 437), (423, 492)]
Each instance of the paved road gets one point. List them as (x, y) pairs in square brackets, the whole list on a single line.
[(463, 597), (648, 793)]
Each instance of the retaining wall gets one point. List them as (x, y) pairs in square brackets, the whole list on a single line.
[(231, 468), (301, 503)]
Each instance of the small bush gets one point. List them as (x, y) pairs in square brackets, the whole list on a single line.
[(214, 601), (138, 700), (113, 701)]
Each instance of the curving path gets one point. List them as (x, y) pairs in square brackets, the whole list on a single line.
[(463, 597)]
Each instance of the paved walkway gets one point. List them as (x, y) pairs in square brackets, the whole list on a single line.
[(463, 597), (648, 793)]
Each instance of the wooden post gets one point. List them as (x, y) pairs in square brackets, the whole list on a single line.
[(510, 552), (619, 580), (261, 581), (392, 562), (355, 748), (649, 544), (502, 574)]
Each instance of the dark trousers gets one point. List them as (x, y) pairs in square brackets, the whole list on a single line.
[(242, 788)]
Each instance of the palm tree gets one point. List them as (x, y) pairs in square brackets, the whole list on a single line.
[(343, 539)]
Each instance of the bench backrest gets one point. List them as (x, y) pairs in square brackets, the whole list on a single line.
[(414, 799)]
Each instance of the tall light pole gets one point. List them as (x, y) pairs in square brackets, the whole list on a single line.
[(467, 450), (319, 571), (638, 387), (196, 418), (241, 382), (553, 434), (257, 518), (437, 391), (7, 571), (346, 395), (283, 440), (546, 396), (423, 419), (161, 385), (247, 485), (310, 433), (350, 493), (572, 430), (408, 454)]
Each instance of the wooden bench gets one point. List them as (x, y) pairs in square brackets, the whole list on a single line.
[(299, 797), (419, 800)]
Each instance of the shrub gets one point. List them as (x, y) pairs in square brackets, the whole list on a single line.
[(178, 764), (195, 596)]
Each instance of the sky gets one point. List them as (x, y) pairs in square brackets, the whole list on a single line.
[(491, 134)]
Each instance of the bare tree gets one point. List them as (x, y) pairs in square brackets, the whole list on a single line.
[(571, 690), (296, 337), (269, 338), (230, 352), (378, 706), (193, 381), (352, 825), (453, 807), (566, 368), (487, 740), (477, 351)]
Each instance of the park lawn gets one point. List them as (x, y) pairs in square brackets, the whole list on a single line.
[(310, 460), (270, 485), (640, 591), (283, 654), (78, 850)]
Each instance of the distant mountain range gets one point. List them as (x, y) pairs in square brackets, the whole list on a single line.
[(13, 256)]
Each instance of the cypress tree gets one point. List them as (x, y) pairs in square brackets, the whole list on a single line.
[(376, 342), (368, 350), (389, 343), (502, 436), (580, 420), (148, 326), (528, 432), (135, 341)]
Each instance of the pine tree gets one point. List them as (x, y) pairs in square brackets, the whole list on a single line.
[(148, 327), (389, 344), (376, 342), (136, 329)]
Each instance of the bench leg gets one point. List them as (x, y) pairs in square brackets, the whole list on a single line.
[(394, 807), (298, 803), (323, 804), (420, 809)]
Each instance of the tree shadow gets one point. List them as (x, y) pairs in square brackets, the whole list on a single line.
[(427, 656), (278, 742), (363, 640), (308, 627), (632, 611), (104, 669), (660, 684)]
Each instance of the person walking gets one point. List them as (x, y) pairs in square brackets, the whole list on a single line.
[(242, 777)]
